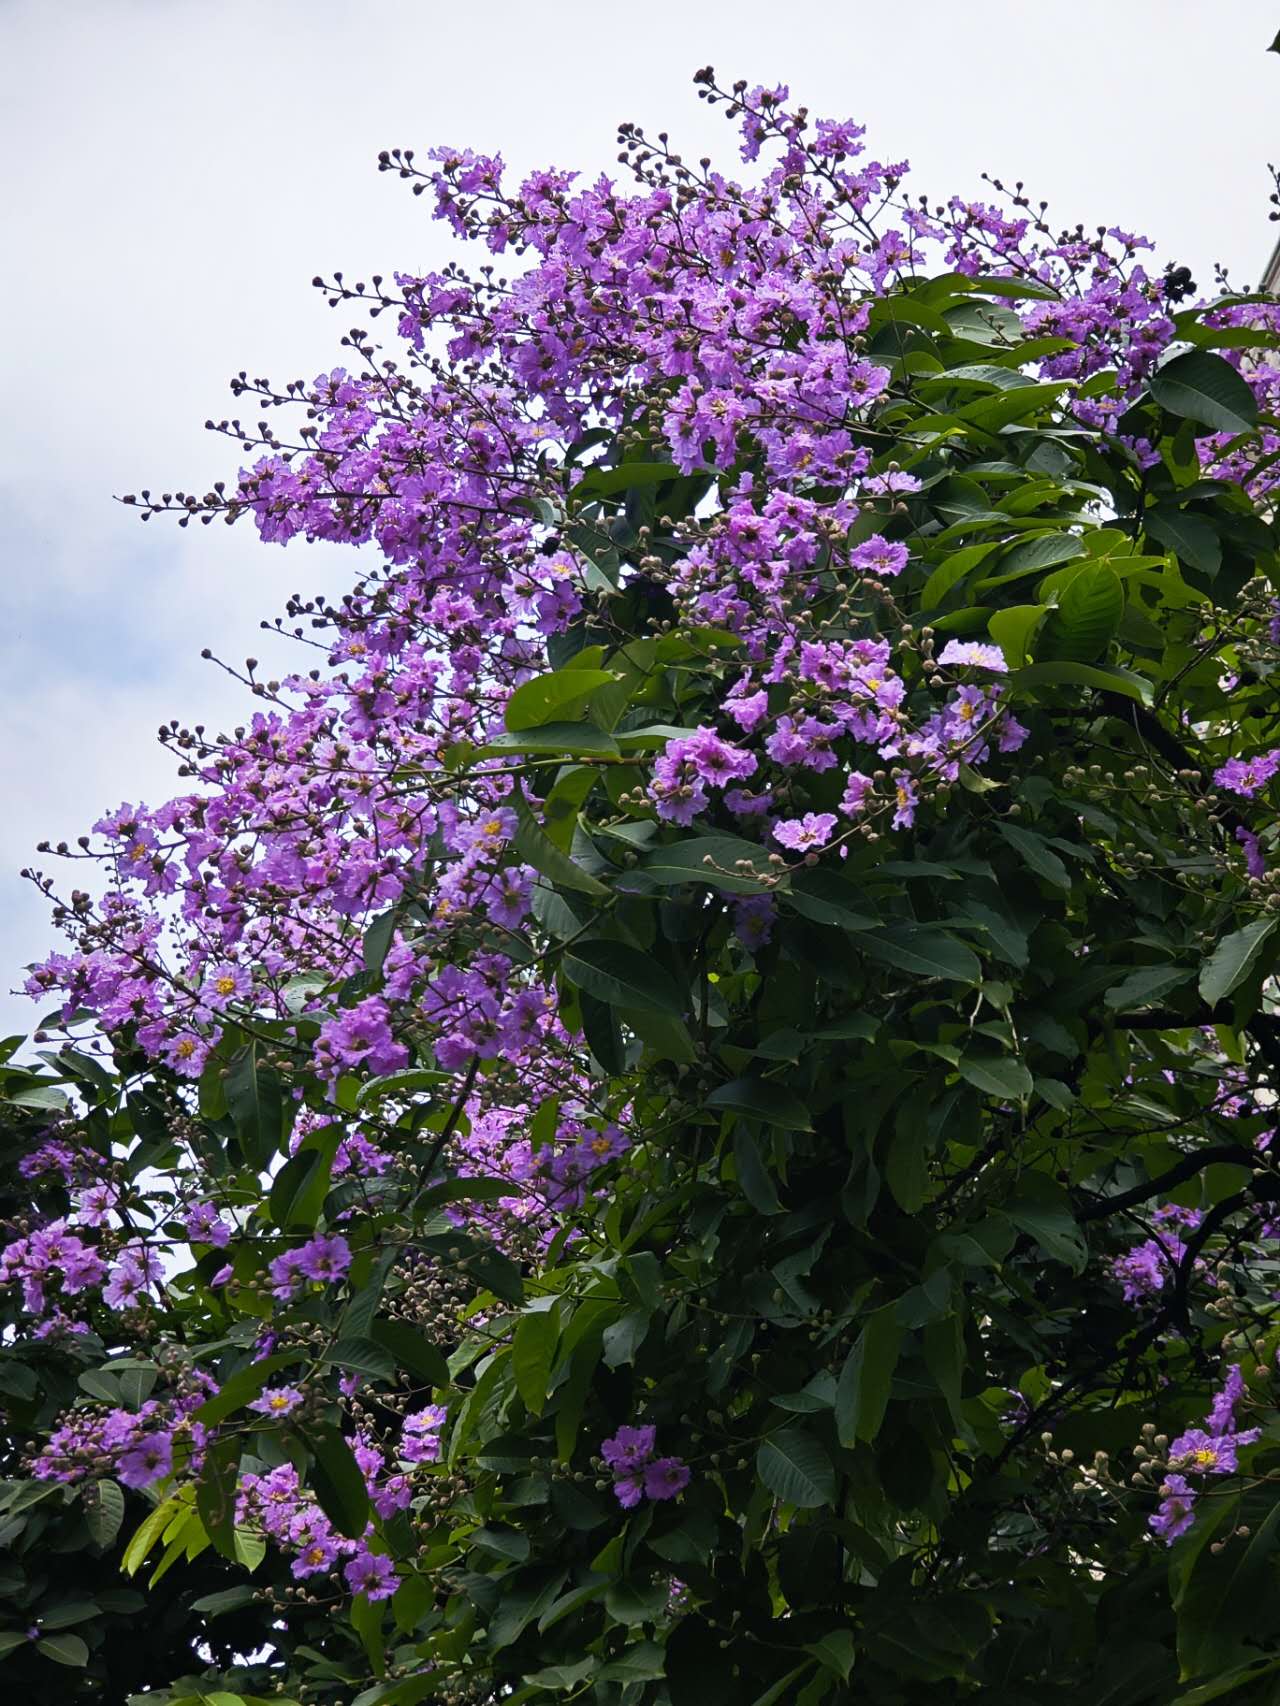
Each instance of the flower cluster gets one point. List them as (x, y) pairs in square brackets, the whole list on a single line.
[(637, 1473), (1208, 1450)]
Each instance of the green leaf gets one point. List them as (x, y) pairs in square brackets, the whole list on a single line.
[(147, 1533), (255, 1102), (216, 1494), (533, 1349), (300, 1187), (337, 1481), (927, 953), (536, 848), (1142, 988), (827, 898), (1193, 538), (240, 1388), (411, 1351), (364, 1356), (1086, 619), (1234, 958), (1045, 1214), (944, 1356), (608, 482), (1031, 556), (624, 1337), (687, 862), (103, 1511), (1037, 853), (535, 703), (1239, 1676), (66, 1613), (834, 1651), (792, 1464), (641, 1662), (64, 1649), (562, 805), (1000, 1075), (862, 1391), (622, 976), (753, 1176), (378, 939), (226, 1599), (1012, 629), (762, 1100), (1201, 386), (1223, 1593), (1110, 679), (570, 740)]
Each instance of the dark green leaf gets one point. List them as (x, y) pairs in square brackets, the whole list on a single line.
[(927, 953), (536, 848), (411, 1351), (763, 1100), (1234, 958), (1203, 387), (792, 1464), (338, 1482), (64, 1649), (862, 1391), (622, 976), (364, 1356)]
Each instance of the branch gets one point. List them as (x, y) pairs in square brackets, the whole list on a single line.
[(1185, 1169)]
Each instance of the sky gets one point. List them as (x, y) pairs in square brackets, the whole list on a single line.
[(178, 171)]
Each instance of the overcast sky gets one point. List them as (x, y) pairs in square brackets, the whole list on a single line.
[(176, 171)]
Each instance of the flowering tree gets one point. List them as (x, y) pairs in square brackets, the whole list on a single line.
[(684, 1117)]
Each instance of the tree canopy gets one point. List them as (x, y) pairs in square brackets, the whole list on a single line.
[(683, 1115)]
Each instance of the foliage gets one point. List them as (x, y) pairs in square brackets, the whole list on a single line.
[(687, 1119)]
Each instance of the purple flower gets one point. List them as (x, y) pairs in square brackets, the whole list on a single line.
[(857, 789), (1204, 1453), (315, 1557), (629, 1447), (150, 1459), (371, 1574), (905, 813), (665, 1477), (1177, 1509), (277, 1401), (629, 1487), (1222, 1413), (1247, 776), (975, 654), (420, 1438), (879, 556), (204, 1225), (811, 830), (1255, 862), (324, 1258)]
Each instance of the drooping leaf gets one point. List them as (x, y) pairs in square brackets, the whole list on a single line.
[(338, 1482)]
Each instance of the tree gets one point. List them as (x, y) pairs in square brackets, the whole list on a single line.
[(685, 1118)]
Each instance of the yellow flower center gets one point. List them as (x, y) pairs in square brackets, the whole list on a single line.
[(186, 1048), (225, 986)]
